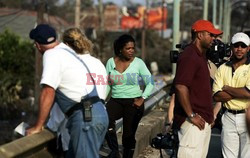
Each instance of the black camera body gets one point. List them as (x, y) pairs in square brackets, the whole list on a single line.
[(174, 54), (162, 141), (218, 52), (169, 142)]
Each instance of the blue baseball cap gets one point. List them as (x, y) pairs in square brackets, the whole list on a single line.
[(43, 34)]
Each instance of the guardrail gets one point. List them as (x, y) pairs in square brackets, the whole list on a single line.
[(38, 145), (157, 94)]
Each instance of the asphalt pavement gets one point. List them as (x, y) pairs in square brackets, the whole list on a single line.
[(214, 150)]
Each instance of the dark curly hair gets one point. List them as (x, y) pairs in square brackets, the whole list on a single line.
[(121, 41)]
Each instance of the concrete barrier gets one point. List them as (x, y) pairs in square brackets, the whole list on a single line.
[(149, 127), (28, 146)]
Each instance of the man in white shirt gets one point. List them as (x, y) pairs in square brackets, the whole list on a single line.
[(65, 80)]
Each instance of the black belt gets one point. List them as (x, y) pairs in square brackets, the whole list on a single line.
[(79, 106), (236, 111)]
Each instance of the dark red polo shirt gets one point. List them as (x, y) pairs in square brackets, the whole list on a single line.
[(192, 71)]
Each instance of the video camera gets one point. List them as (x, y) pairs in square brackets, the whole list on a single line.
[(163, 141), (174, 54), (218, 53), (167, 141)]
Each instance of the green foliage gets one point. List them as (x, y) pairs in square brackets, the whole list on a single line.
[(157, 49), (24, 4), (17, 60), (86, 4)]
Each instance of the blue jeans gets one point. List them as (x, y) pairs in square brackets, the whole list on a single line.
[(86, 138)]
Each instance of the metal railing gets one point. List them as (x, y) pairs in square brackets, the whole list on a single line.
[(157, 94), (36, 145)]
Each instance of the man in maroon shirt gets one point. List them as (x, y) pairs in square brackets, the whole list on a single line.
[(194, 110)]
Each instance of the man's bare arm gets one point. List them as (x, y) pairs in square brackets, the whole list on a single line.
[(183, 97), (182, 93), (45, 103), (241, 93), (222, 96)]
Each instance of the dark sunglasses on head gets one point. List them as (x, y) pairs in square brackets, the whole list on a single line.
[(237, 45)]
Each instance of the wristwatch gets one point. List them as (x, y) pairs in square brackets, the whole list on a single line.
[(192, 115)]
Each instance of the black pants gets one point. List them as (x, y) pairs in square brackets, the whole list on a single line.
[(124, 108)]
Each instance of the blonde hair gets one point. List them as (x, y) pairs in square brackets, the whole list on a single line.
[(77, 41)]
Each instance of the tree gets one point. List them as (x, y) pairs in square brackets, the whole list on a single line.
[(17, 67)]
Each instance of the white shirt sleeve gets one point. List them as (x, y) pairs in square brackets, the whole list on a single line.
[(51, 75)]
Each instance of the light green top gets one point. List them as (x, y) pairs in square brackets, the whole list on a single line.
[(127, 84)]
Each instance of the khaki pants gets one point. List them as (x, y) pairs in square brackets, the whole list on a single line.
[(194, 142)]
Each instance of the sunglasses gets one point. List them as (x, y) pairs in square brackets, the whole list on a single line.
[(209, 34), (237, 45), (212, 35)]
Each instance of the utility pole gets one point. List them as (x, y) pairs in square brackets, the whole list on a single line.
[(205, 9), (176, 29), (220, 15), (101, 29), (143, 35), (38, 56), (163, 19), (226, 20), (77, 13), (229, 21), (101, 15), (224, 37), (214, 12)]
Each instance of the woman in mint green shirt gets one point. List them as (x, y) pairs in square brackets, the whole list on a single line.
[(127, 99)]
